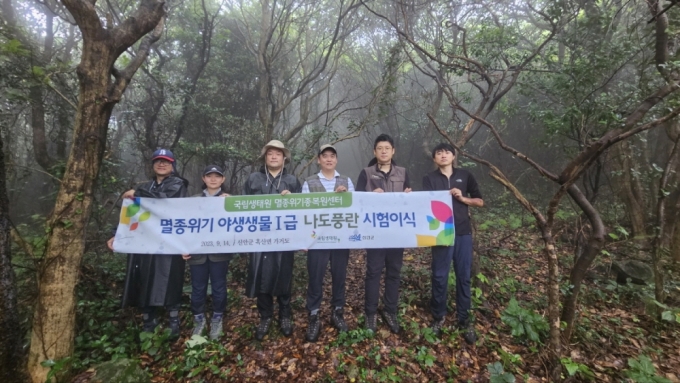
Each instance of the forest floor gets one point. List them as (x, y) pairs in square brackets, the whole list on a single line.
[(614, 328)]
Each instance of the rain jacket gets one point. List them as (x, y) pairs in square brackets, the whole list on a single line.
[(270, 272), (155, 280)]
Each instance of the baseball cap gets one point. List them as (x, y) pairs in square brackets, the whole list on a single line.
[(213, 169), (164, 154), (323, 148)]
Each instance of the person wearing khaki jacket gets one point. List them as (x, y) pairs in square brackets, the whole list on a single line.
[(383, 176)]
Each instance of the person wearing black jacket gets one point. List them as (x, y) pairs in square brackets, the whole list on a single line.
[(154, 280), (383, 176), (209, 267), (270, 274), (460, 183)]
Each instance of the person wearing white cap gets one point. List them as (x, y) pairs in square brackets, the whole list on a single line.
[(327, 180), (270, 274), (209, 267)]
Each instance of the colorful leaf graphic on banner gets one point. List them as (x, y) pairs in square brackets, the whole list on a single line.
[(146, 215), (124, 219), (445, 237), (434, 222), (442, 214), (442, 211), (426, 240), (132, 210), (129, 212)]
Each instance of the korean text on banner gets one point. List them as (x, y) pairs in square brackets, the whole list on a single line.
[(281, 223)]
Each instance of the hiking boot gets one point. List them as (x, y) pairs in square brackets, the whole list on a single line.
[(338, 320), (263, 328), (372, 323), (313, 328), (199, 325), (436, 326), (286, 324), (216, 328), (392, 322), (469, 333), (173, 325), (150, 325)]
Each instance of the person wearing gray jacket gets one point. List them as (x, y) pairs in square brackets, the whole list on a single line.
[(209, 267)]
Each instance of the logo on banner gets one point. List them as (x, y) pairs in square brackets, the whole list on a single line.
[(132, 215), (441, 214)]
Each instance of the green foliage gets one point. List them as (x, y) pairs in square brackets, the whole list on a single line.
[(352, 337), (498, 374), (526, 325), (157, 343), (201, 356), (669, 314), (622, 232), (509, 360), (424, 357), (642, 370), (57, 368), (574, 368), (13, 47)]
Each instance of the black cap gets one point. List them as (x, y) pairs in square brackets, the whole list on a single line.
[(213, 169)]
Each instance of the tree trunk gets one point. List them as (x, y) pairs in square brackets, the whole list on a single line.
[(54, 318), (553, 290), (581, 265), (11, 335), (38, 125), (675, 239), (659, 293), (630, 189)]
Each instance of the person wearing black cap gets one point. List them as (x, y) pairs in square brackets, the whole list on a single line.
[(156, 280), (270, 274), (327, 180), (209, 267), (383, 176)]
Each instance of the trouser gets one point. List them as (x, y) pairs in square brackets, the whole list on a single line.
[(317, 262), (461, 254), (265, 305), (216, 272), (376, 260)]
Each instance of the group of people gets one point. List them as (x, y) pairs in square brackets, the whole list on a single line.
[(154, 281)]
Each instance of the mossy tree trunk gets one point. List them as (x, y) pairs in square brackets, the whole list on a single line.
[(101, 87)]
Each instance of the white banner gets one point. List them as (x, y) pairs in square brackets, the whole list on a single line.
[(280, 223)]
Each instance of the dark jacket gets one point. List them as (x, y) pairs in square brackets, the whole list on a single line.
[(199, 259), (270, 272), (460, 179), (263, 183), (371, 178), (155, 280)]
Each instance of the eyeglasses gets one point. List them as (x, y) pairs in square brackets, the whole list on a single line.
[(162, 161)]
